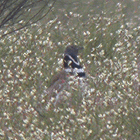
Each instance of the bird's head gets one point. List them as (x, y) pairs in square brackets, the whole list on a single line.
[(72, 51)]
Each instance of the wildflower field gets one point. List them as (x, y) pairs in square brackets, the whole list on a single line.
[(109, 106)]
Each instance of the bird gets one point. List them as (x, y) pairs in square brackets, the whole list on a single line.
[(71, 67)]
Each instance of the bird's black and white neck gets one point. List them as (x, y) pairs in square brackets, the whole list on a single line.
[(71, 64)]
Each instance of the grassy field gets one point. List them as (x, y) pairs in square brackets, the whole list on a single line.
[(108, 108)]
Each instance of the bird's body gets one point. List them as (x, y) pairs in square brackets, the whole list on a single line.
[(71, 65)]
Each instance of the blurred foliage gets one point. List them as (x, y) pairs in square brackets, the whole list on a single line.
[(107, 108), (16, 15)]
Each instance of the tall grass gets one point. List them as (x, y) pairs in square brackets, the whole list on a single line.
[(108, 105)]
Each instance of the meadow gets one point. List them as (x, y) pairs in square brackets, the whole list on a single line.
[(109, 106)]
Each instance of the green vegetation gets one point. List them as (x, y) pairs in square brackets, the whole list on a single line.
[(107, 108)]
